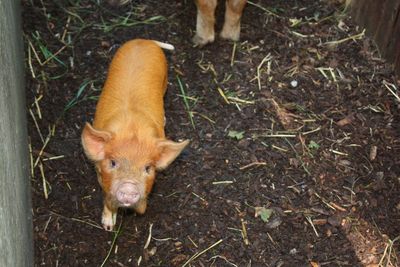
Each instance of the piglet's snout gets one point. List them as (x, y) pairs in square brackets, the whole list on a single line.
[(128, 194)]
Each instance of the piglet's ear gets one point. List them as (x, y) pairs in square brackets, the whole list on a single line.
[(93, 142), (169, 150)]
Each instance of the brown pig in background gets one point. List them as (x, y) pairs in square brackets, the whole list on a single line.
[(127, 141)]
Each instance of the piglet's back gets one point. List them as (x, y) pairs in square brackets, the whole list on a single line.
[(135, 86)]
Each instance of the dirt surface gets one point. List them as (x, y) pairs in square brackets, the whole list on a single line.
[(295, 139)]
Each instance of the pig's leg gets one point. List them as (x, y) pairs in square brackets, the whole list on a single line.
[(141, 206), (109, 217), (233, 13), (205, 22)]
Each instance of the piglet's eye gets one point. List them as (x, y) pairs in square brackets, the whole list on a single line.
[(147, 169), (113, 164)]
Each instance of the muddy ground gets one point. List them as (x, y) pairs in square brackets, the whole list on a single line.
[(295, 139)]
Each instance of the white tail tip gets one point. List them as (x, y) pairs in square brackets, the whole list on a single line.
[(165, 45)]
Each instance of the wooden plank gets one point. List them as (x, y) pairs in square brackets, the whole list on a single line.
[(372, 17), (381, 19), (359, 9), (396, 47), (384, 31), (16, 247), (393, 36)]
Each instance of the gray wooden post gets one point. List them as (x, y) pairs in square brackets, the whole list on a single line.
[(16, 246)]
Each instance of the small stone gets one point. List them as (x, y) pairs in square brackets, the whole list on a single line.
[(329, 233), (152, 251), (243, 143), (105, 44)]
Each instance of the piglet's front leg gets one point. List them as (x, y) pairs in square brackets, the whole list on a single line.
[(141, 206), (205, 22), (109, 217), (233, 13)]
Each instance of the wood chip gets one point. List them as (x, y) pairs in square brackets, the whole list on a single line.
[(373, 152), (345, 121)]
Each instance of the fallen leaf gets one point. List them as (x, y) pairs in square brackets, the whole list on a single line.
[(263, 212), (313, 145), (347, 120), (287, 119), (271, 217), (266, 214), (235, 134)]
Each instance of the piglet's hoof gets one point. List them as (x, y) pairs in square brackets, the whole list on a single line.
[(108, 221), (202, 41), (231, 32)]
